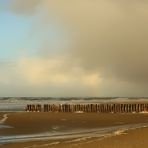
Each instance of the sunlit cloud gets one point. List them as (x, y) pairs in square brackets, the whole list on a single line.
[(94, 46)]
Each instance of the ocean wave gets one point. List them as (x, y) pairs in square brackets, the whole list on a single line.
[(19, 104)]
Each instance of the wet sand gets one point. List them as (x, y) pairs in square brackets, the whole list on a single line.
[(1, 115), (30, 123), (133, 139)]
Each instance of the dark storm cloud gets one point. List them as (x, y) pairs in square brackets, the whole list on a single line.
[(108, 37)]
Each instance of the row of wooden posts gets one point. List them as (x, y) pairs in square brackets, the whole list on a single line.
[(100, 108)]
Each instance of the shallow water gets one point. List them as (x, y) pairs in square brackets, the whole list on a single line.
[(69, 134), (4, 126), (2, 121)]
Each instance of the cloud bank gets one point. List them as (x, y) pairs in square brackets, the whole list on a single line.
[(105, 52)]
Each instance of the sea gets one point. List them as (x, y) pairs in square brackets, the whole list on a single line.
[(18, 104)]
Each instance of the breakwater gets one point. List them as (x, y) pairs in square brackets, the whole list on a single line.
[(98, 108)]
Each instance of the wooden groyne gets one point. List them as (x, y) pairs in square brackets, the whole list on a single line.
[(98, 108), (34, 108)]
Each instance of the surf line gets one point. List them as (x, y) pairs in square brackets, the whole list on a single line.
[(3, 119)]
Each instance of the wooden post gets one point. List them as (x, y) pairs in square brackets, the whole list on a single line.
[(27, 108)]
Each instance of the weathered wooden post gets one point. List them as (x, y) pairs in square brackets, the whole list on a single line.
[(76, 107), (45, 107), (140, 107), (93, 108), (38, 108), (96, 107), (127, 108), (70, 108), (133, 108), (49, 108), (84, 106), (101, 108), (73, 107), (33, 107), (130, 108), (110, 108), (105, 108), (137, 108), (124, 108), (64, 107), (147, 107), (117, 108), (114, 108), (81, 107), (27, 107), (87, 107)]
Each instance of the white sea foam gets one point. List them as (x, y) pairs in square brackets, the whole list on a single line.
[(79, 112), (55, 127), (78, 139), (42, 145), (144, 112), (119, 132), (3, 119)]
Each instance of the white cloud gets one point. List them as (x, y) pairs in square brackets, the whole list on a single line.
[(57, 70)]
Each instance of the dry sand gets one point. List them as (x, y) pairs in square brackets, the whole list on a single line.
[(29, 123)]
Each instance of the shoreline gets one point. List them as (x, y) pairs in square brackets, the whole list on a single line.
[(125, 139), (93, 133), (33, 123)]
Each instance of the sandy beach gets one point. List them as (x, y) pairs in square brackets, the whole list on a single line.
[(133, 139), (32, 123), (1, 116)]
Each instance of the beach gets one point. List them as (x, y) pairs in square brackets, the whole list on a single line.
[(26, 123), (1, 116), (133, 139)]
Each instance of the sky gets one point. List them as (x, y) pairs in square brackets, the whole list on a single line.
[(78, 48)]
